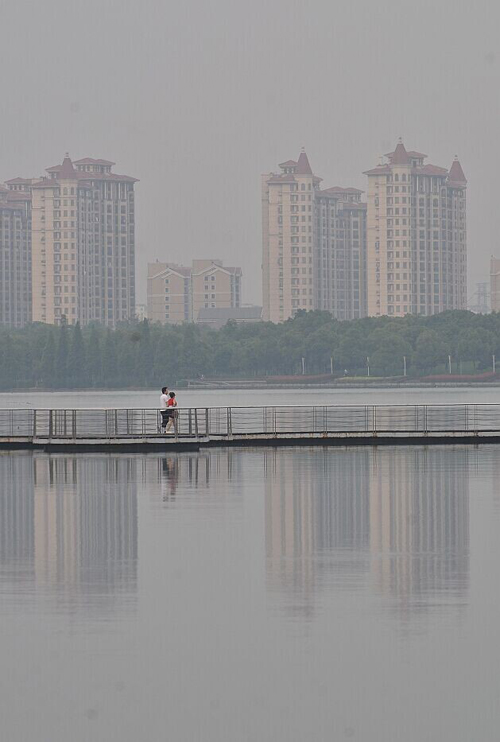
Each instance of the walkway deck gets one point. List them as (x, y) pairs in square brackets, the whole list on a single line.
[(139, 429)]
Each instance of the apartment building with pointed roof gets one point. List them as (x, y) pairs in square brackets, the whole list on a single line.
[(313, 245), (83, 244), (416, 236)]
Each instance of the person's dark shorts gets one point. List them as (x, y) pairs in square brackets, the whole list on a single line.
[(165, 416)]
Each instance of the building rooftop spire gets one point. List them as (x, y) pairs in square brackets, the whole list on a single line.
[(67, 170), (456, 174), (400, 155), (303, 166)]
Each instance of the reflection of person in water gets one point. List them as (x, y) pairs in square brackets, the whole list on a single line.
[(170, 471)]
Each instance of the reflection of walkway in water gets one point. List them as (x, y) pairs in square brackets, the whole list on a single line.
[(335, 516), (72, 522)]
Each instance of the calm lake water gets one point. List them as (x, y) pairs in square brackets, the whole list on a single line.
[(251, 595), (244, 397)]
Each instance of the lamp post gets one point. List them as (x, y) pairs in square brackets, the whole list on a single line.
[(449, 364), (303, 366), (404, 365), (368, 365), (494, 364), (331, 366)]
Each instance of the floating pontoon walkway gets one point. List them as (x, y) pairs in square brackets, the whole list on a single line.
[(197, 427)]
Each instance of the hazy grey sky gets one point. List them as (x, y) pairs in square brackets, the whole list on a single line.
[(196, 99)]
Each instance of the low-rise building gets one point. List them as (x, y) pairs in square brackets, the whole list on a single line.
[(169, 293), (177, 293), (217, 317)]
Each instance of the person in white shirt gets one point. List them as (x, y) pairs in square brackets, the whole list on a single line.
[(165, 413)]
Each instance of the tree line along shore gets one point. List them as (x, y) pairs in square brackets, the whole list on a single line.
[(143, 355)]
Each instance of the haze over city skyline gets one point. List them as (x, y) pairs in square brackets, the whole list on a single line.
[(199, 100)]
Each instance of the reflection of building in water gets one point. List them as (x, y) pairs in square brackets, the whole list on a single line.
[(70, 522), (86, 522), (419, 523), (314, 504), (332, 512), (17, 525)]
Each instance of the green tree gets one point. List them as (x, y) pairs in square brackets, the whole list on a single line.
[(7, 361), (387, 359), (476, 345), (352, 352), (109, 361), (430, 350), (93, 357), (77, 375), (61, 367), (48, 361)]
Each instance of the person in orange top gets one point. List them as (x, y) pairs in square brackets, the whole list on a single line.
[(172, 413)]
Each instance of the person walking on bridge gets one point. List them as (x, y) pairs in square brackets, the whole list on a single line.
[(164, 399), (172, 412)]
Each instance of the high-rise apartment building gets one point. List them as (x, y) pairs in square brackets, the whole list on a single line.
[(313, 245), (83, 244), (416, 236), (176, 293), (341, 252), (15, 255)]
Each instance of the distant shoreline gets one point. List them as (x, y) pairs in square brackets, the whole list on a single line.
[(262, 385)]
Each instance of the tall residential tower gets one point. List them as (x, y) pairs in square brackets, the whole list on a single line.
[(416, 236), (313, 245), (15, 254), (83, 244)]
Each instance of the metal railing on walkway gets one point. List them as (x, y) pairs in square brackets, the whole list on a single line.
[(230, 422)]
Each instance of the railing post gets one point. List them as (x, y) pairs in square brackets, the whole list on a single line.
[(229, 423), (190, 421), (207, 431), (73, 424), (51, 423), (196, 421), (33, 432)]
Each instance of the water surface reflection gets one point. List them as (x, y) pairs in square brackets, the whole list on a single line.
[(68, 524), (250, 594), (401, 515)]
